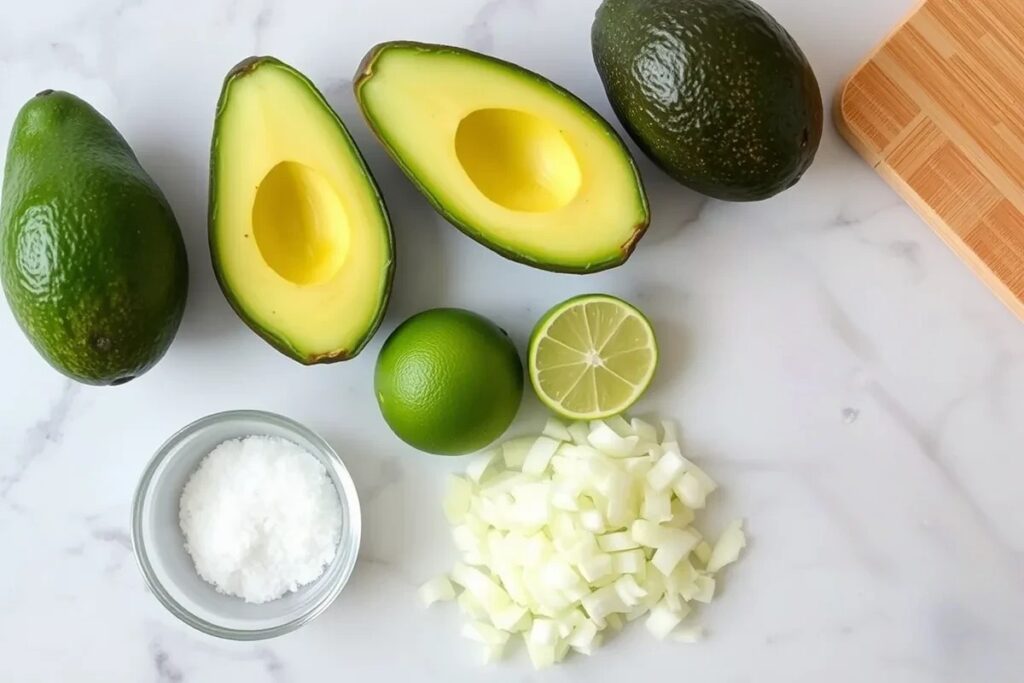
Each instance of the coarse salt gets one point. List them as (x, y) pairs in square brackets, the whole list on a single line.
[(261, 517)]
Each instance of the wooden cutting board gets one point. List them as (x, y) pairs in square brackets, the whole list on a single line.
[(938, 110)]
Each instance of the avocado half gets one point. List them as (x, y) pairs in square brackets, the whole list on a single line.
[(300, 239), (514, 161), (715, 92)]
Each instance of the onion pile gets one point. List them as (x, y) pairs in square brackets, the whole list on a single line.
[(576, 531)]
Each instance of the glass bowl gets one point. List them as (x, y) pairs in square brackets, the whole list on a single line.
[(159, 544)]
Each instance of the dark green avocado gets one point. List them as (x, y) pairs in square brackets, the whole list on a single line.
[(716, 92), (91, 257)]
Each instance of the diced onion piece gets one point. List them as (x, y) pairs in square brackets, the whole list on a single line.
[(514, 451), (479, 465), (436, 589), (602, 602), (614, 622), (689, 490), (727, 549), (556, 429), (579, 433), (507, 618), (596, 566), (542, 656), (662, 620), (673, 601), (544, 632), (703, 552), (583, 636), (457, 499), (614, 542), (645, 431), (647, 533), (682, 580), (688, 634), (629, 591), (605, 439), (621, 425), (628, 562), (589, 649), (657, 505), (669, 431), (539, 455), (470, 606), (558, 574), (592, 520), (465, 538), (622, 504), (706, 482), (482, 587), (668, 468), (676, 545), (705, 589), (682, 516), (564, 500), (493, 652)]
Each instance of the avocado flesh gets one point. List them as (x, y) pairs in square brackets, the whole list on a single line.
[(715, 92), (301, 242), (508, 157), (91, 257)]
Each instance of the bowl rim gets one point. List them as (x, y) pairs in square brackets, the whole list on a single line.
[(350, 504)]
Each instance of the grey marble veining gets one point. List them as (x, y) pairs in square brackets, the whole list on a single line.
[(855, 390)]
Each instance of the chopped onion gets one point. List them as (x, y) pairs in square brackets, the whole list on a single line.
[(438, 588), (480, 464), (484, 633), (689, 491), (607, 440), (727, 549), (669, 466), (514, 452), (539, 455), (579, 433), (457, 500), (662, 620), (644, 431), (557, 430), (581, 529)]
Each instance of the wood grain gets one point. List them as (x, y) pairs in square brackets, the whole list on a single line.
[(938, 110)]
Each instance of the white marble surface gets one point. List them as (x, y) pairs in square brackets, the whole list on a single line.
[(857, 391)]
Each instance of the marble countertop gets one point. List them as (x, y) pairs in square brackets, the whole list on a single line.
[(856, 390)]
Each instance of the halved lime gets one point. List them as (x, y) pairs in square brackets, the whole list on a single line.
[(592, 357)]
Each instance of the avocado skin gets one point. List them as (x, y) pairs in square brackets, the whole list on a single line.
[(91, 257), (363, 73), (715, 92), (280, 343)]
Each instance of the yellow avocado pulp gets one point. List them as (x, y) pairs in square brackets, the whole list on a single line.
[(510, 158), (517, 160), (300, 224), (301, 243)]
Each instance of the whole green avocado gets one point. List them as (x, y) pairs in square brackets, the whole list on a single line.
[(716, 92), (91, 257)]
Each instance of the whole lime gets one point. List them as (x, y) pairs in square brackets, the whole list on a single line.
[(448, 381)]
